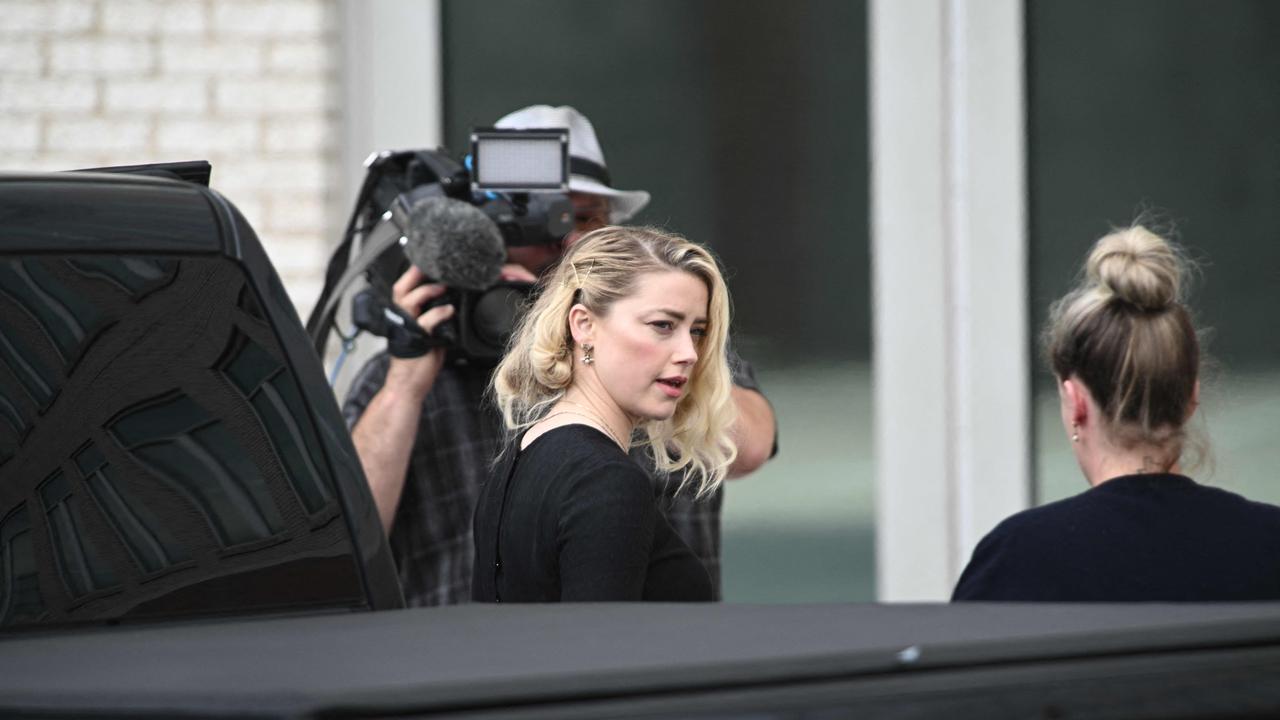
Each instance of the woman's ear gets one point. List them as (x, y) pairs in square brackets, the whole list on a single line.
[(1075, 401), (582, 324)]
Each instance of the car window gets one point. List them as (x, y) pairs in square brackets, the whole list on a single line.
[(157, 455)]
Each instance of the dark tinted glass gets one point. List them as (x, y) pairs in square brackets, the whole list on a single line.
[(1174, 108), (157, 457), (20, 600)]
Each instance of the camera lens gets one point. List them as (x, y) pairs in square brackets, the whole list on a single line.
[(496, 312)]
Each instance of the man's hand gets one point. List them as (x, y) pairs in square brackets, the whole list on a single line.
[(414, 377), (753, 431), (512, 272)]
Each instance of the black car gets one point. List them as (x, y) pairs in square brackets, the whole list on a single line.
[(185, 530)]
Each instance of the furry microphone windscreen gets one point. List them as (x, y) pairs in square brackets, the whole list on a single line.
[(454, 243)]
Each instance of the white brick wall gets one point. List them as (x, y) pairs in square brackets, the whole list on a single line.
[(21, 135), (32, 97), (102, 58), (166, 96), (20, 58), (303, 56), (98, 135), (293, 96), (250, 85), (285, 135), (228, 58), (222, 137), (154, 18), (280, 18), (46, 16)]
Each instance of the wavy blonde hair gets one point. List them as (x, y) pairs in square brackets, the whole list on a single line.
[(600, 269)]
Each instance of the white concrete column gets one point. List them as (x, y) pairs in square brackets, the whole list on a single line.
[(393, 92), (393, 85), (951, 346)]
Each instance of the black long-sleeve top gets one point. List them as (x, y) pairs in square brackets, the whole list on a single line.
[(572, 518), (1151, 537)]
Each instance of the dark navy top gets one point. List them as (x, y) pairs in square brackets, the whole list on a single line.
[(573, 518), (1151, 537)]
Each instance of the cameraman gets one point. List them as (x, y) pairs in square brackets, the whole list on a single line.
[(426, 433)]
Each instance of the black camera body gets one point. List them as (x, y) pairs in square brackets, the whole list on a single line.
[(518, 180), (478, 331)]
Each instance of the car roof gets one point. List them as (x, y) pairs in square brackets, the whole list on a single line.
[(659, 658)]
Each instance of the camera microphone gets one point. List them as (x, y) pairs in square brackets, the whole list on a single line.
[(420, 207), (454, 243), (457, 244)]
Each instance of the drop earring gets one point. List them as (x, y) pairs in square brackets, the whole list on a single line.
[(587, 357), (1075, 433)]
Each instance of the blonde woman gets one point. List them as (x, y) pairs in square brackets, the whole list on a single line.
[(1124, 351), (625, 344)]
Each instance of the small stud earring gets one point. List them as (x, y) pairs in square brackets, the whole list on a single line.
[(587, 357), (1075, 433)]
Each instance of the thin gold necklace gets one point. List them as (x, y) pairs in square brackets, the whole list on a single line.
[(594, 418)]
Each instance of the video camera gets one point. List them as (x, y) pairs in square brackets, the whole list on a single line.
[(453, 221)]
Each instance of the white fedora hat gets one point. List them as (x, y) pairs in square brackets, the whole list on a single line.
[(587, 170)]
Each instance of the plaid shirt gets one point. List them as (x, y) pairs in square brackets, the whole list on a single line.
[(459, 434)]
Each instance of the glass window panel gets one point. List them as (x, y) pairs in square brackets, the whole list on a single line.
[(35, 377), (279, 407), (168, 418), (249, 365), (169, 497), (249, 304), (1175, 111), (90, 460), (59, 325), (80, 561), (20, 599), (147, 537), (63, 313), (225, 485), (135, 275), (747, 121), (9, 413)]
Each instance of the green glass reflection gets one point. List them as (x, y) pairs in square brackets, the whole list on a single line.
[(185, 446), (20, 599), (280, 407), (146, 536), (1175, 113), (80, 561)]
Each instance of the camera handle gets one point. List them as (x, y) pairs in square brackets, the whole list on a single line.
[(378, 316), (388, 177)]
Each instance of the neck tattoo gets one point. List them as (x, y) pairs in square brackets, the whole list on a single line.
[(1149, 465)]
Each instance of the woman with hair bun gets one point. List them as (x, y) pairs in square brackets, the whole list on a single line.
[(624, 344), (1126, 358)]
